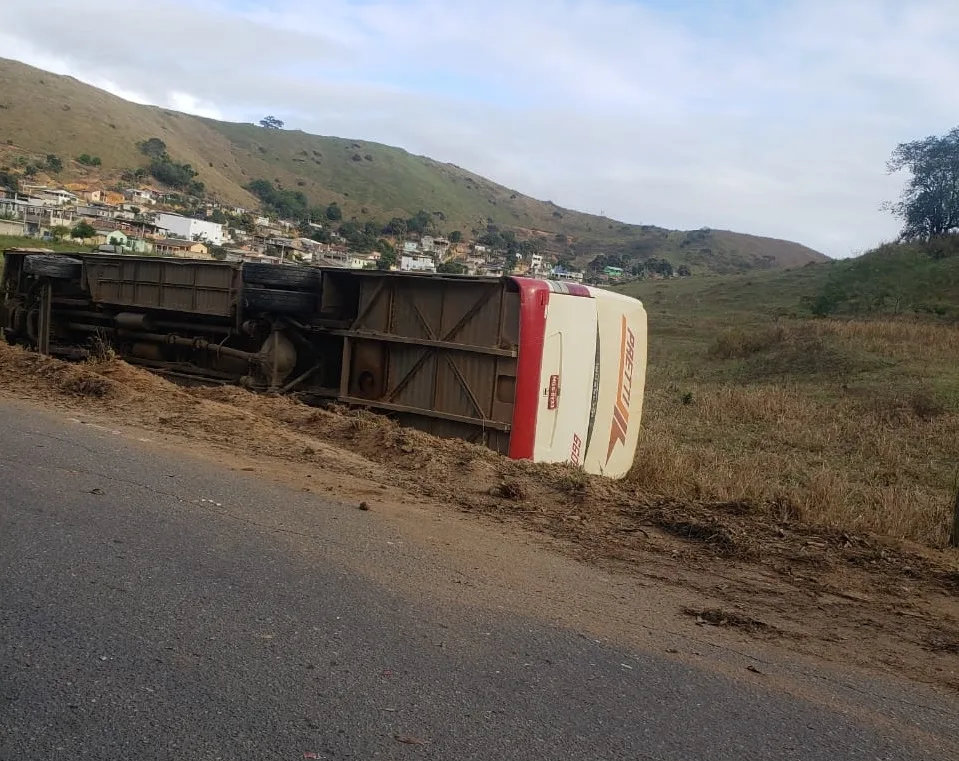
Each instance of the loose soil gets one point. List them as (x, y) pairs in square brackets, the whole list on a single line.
[(847, 597)]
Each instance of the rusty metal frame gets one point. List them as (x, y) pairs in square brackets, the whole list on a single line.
[(431, 345)]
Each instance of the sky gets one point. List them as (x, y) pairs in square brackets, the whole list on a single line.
[(773, 117)]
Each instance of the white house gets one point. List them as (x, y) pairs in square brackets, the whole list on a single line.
[(187, 227), (410, 247), (561, 273), (361, 261), (140, 195), (58, 197), (536, 263), (419, 263)]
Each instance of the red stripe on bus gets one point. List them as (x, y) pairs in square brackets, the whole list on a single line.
[(533, 298), (575, 289)]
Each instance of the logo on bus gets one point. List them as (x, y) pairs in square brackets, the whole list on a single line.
[(552, 395), (576, 453), (617, 433)]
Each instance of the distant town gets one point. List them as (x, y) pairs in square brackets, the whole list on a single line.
[(140, 220)]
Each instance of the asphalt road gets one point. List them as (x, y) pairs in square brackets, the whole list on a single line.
[(140, 618)]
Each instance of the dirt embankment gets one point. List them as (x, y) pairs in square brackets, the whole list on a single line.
[(756, 567)]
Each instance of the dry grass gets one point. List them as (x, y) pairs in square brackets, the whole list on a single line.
[(855, 430)]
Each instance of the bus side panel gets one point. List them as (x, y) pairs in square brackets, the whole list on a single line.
[(622, 377), (566, 379)]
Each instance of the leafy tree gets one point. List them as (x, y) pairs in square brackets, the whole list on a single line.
[(10, 181), (396, 226), (218, 216), (421, 223), (683, 271), (83, 230), (456, 237), (155, 148), (179, 176), (59, 232), (87, 160), (323, 235), (510, 262), (271, 122), (452, 268), (31, 171), (247, 223), (333, 212), (288, 204), (54, 163), (929, 204), (387, 258), (360, 238)]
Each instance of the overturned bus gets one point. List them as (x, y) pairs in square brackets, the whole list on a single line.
[(534, 369)]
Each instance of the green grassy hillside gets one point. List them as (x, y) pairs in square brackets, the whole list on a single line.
[(848, 419), (44, 113)]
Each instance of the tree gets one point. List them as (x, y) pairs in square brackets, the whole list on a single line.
[(271, 122), (929, 204), (87, 160), (387, 258), (452, 268), (83, 230), (59, 232), (155, 148), (456, 237), (218, 216), (421, 223), (333, 212), (510, 262), (10, 181), (683, 271), (396, 226), (54, 163)]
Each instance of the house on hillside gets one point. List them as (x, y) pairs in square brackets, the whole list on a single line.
[(58, 197), (141, 196), (188, 228), (95, 196), (97, 210), (189, 249), (110, 237), (561, 273), (362, 261), (417, 263)]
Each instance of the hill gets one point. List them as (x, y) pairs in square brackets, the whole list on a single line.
[(848, 418), (43, 113), (894, 280)]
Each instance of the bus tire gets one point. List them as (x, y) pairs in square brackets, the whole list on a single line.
[(51, 265), (278, 302), (280, 275)]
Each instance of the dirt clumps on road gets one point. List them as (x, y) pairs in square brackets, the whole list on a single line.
[(757, 569)]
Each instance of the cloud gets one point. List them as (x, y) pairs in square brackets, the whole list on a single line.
[(772, 118)]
